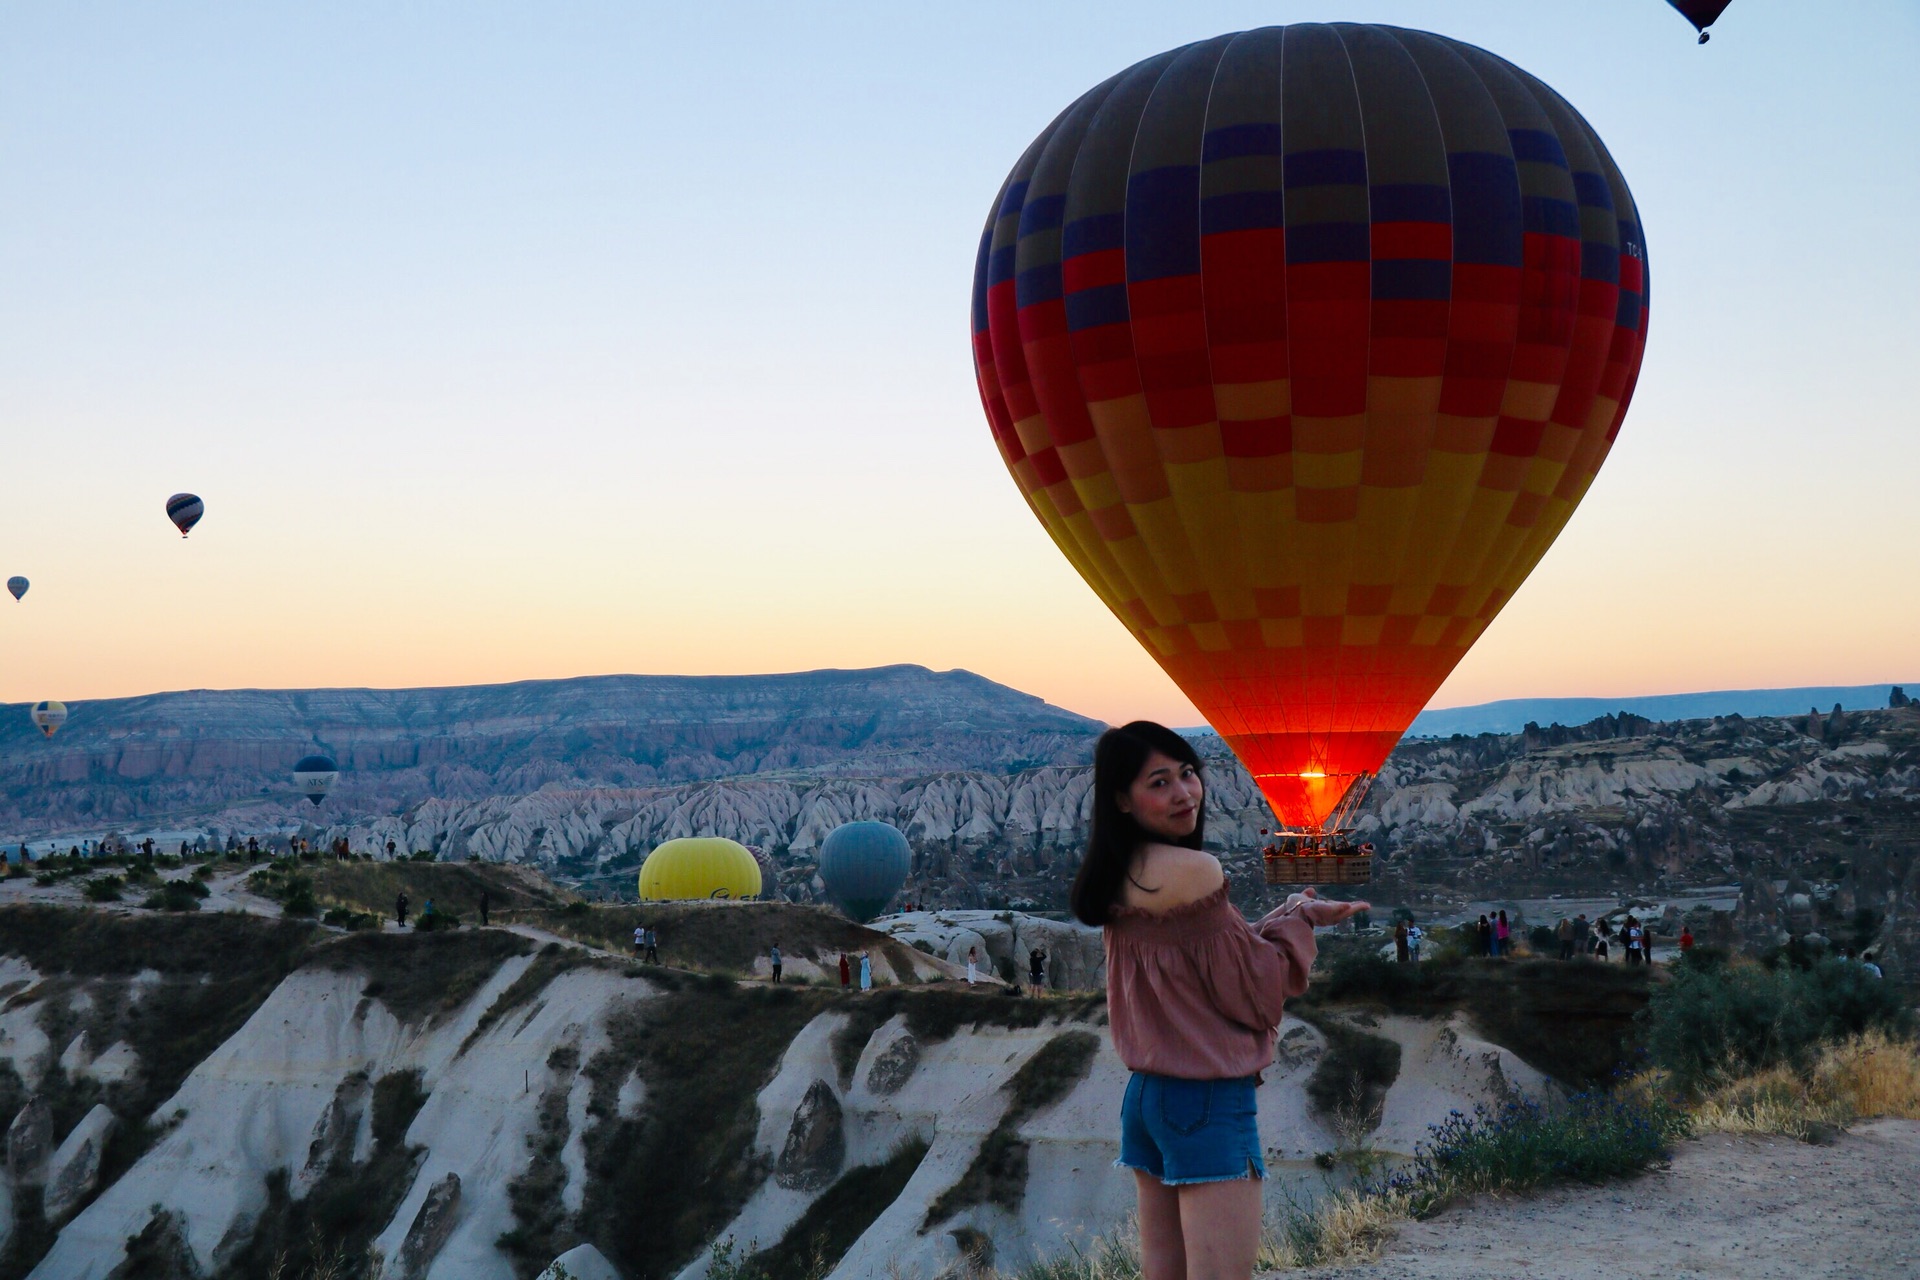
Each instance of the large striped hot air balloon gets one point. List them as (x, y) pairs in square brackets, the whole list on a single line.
[(1304, 343)]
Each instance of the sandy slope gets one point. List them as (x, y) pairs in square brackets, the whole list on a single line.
[(1745, 1208)]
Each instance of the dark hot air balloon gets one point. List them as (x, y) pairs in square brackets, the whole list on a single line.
[(185, 510), (314, 775), (863, 864), (18, 586), (1303, 344), (1701, 13)]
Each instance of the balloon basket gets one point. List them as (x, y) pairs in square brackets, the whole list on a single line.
[(1319, 868), (1317, 859)]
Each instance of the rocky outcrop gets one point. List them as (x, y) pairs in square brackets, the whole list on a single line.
[(74, 1169), (582, 1262), (816, 1144), (430, 1229), (30, 1142), (1005, 940)]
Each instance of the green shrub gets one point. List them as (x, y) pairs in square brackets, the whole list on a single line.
[(176, 895), (346, 918), (437, 921), (1717, 1020), (103, 889)]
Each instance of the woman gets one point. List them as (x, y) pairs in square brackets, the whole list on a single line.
[(1502, 936), (866, 972), (1194, 995)]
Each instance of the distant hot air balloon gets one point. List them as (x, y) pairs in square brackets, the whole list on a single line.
[(314, 776), (1303, 344), (699, 867), (863, 864), (1701, 13), (18, 586), (185, 510), (48, 716)]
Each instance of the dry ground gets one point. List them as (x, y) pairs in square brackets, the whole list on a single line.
[(1736, 1207)]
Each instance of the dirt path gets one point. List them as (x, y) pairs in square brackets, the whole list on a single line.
[(1741, 1208)]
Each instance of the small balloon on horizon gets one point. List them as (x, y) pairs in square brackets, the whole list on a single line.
[(18, 586), (185, 510)]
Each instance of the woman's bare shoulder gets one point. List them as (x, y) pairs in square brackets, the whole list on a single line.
[(1169, 876)]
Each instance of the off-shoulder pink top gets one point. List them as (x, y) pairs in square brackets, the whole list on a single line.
[(1196, 991)]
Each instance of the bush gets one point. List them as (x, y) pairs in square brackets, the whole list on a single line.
[(103, 889), (1716, 1021), (437, 921), (177, 895), (1524, 1145), (344, 918)]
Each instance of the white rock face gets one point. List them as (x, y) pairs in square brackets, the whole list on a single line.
[(582, 1262), (75, 1166), (1076, 953)]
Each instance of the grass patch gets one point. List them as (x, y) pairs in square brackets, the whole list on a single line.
[(998, 1173), (1869, 1075), (330, 1230), (938, 1013), (1351, 1080), (420, 977), (721, 937), (541, 1230), (658, 1187), (452, 887), (814, 1245)]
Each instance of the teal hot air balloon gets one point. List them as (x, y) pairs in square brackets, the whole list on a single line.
[(863, 864), (17, 585)]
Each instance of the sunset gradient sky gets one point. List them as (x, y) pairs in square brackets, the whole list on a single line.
[(547, 340)]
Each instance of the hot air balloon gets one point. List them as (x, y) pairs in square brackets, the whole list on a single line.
[(1303, 344), (18, 586), (185, 510), (1701, 13), (699, 867), (48, 716), (863, 864), (314, 776)]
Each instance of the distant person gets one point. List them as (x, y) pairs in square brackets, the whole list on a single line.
[(773, 955), (1582, 934), (1502, 937), (1401, 951), (653, 944), (973, 955), (866, 972), (846, 972), (400, 910), (1414, 936), (1037, 968), (1686, 939), (1602, 938), (485, 902), (639, 941), (1484, 931), (1871, 965), (427, 911), (390, 848), (1564, 933), (1630, 942), (253, 848)]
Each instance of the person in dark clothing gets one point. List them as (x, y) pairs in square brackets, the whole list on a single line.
[(1485, 931), (1400, 952), (773, 956), (653, 945), (1037, 969), (846, 972), (484, 902), (389, 851), (400, 910)]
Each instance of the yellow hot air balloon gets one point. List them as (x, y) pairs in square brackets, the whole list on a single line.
[(699, 867)]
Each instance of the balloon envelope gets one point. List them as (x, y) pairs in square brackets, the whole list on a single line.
[(699, 867), (18, 586), (185, 510), (1303, 343), (314, 775), (863, 864), (48, 716)]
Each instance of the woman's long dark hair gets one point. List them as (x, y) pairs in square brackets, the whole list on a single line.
[(1118, 758)]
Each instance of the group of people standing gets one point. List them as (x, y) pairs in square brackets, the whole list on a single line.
[(1598, 939)]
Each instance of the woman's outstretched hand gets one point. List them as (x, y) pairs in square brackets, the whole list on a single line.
[(1321, 914)]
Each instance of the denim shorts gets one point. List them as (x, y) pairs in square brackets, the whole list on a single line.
[(1186, 1131)]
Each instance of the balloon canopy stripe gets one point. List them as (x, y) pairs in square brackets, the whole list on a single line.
[(1303, 343)]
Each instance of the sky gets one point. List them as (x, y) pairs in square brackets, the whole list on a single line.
[(509, 342)]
